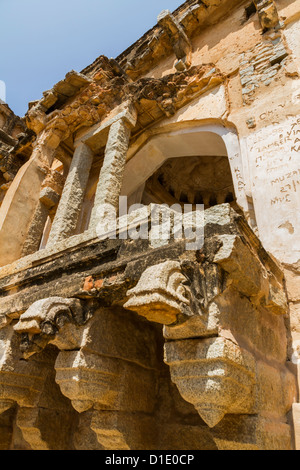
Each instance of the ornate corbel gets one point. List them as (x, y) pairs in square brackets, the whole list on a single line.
[(29, 389), (215, 375), (167, 292), (55, 320), (106, 362), (161, 293)]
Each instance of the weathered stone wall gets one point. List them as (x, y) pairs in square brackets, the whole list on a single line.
[(14, 147)]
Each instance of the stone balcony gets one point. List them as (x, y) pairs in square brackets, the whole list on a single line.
[(208, 324)]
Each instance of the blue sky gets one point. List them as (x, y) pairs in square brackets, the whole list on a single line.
[(40, 40)]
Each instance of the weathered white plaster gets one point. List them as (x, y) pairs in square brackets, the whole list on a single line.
[(292, 35), (210, 105), (275, 169)]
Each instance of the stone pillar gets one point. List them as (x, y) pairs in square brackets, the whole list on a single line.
[(111, 175), (65, 221)]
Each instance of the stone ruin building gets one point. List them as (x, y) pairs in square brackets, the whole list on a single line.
[(115, 343)]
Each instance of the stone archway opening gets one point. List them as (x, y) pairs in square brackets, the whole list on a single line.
[(191, 180), (189, 163)]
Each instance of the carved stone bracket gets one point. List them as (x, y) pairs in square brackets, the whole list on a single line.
[(161, 294), (248, 274), (54, 320), (215, 375), (101, 373), (21, 382)]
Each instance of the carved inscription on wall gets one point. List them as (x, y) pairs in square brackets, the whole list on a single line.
[(275, 164)]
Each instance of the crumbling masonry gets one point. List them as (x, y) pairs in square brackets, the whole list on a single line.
[(113, 343)]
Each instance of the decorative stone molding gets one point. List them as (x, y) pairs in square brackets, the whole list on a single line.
[(174, 292), (54, 320), (161, 293)]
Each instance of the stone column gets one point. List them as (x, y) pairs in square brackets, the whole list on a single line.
[(111, 175), (66, 218)]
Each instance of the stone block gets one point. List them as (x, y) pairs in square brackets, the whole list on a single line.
[(49, 197), (252, 433), (39, 427), (21, 382), (249, 275), (90, 380), (276, 390), (268, 14), (123, 431), (215, 375)]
